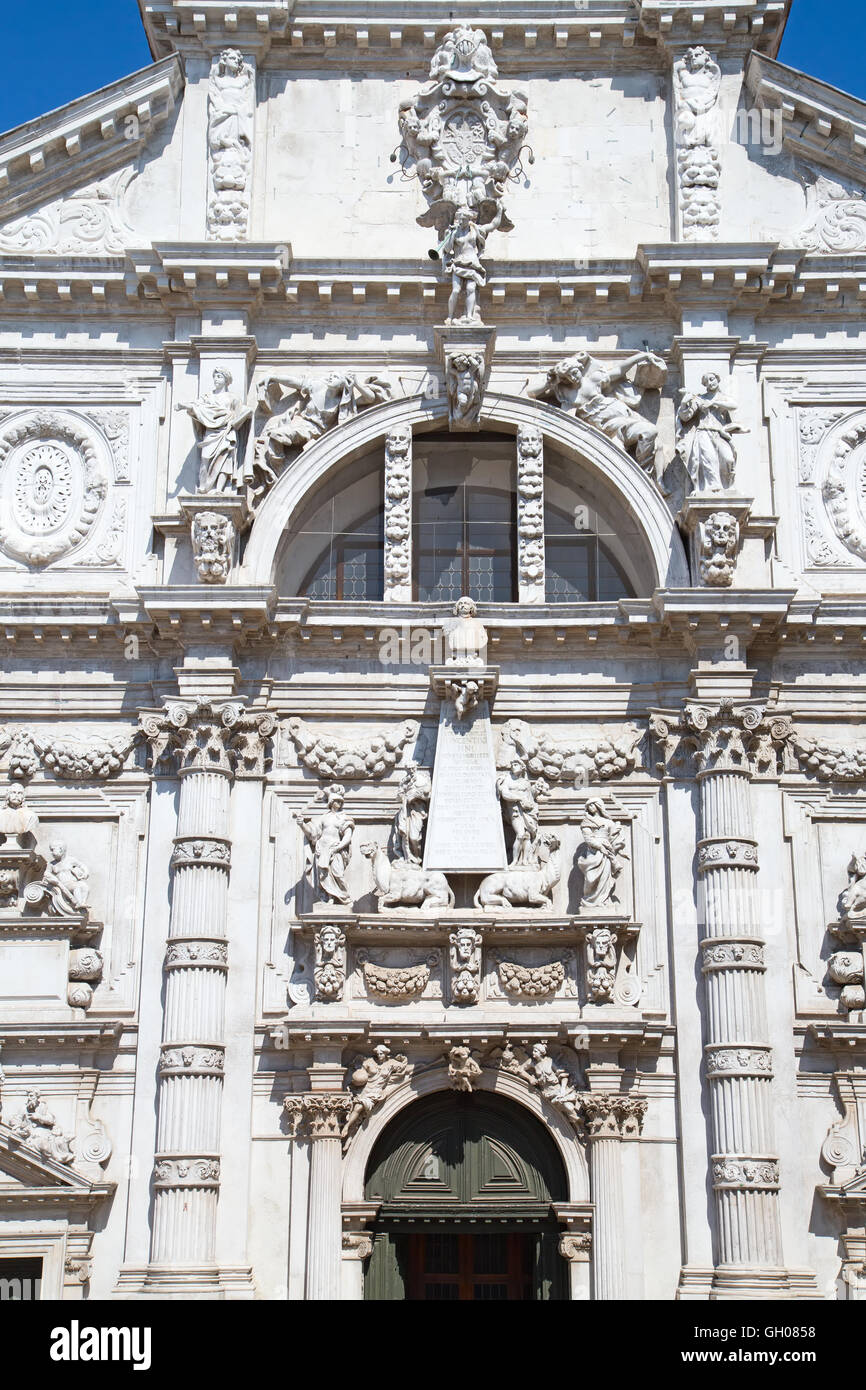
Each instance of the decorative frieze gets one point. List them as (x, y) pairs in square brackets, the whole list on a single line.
[(192, 1061), (333, 758), (731, 955), (748, 1174), (205, 953), (739, 1061), (186, 1172), (216, 853)]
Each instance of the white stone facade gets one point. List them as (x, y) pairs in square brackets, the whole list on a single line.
[(291, 841)]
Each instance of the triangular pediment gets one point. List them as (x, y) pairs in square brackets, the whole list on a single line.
[(821, 126), (81, 150), (855, 1188), (22, 1167)]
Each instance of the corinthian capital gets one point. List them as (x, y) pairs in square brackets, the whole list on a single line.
[(201, 736), (612, 1116), (720, 738)]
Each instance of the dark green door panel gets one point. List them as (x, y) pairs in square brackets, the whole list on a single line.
[(473, 1172)]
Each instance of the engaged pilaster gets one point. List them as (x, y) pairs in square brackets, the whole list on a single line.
[(609, 1120)]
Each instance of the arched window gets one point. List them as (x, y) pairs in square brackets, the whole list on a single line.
[(464, 530)]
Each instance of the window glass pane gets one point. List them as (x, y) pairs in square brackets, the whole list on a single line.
[(569, 566), (611, 580)]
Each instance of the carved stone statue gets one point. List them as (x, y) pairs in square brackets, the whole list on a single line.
[(697, 81), (464, 382), (465, 946), (37, 1127), (600, 964), (462, 249), (852, 902), (329, 845), (17, 821), (463, 1069), (231, 119), (411, 819), (321, 403), (602, 861), (213, 538), (704, 429), (541, 1072), (217, 416), (602, 396), (525, 885), (65, 883), (399, 883), (520, 809), (465, 636), (371, 1080), (329, 971)]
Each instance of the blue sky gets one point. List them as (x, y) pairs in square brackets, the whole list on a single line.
[(59, 49)]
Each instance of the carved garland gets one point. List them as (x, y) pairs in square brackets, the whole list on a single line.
[(335, 759)]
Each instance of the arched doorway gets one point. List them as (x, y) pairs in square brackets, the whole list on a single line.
[(465, 1185)]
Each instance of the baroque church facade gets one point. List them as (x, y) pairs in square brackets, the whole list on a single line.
[(433, 570)]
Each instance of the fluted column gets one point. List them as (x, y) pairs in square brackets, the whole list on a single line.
[(738, 1058), (208, 743), (610, 1119)]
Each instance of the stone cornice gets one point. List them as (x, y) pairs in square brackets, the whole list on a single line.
[(820, 123), (86, 138), (526, 33), (263, 278)]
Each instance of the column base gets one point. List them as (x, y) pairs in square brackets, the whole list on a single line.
[(186, 1281), (702, 1282), (748, 1282)]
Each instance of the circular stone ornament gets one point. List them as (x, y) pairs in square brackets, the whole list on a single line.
[(52, 486)]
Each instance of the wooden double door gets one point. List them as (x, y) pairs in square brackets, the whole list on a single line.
[(462, 1266), (466, 1186)]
